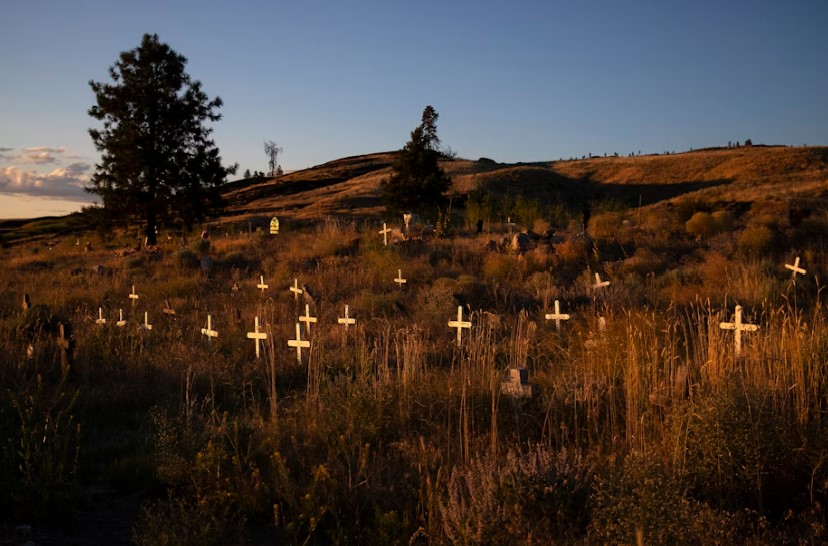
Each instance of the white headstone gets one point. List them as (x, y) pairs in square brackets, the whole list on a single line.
[(459, 324), (795, 268), (399, 280), (101, 319), (298, 343), (307, 318), (209, 332), (738, 326), (557, 316), (274, 226), (346, 320), (384, 232), (256, 336)]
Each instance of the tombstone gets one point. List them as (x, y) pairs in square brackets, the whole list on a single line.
[(257, 336), (168, 310), (399, 280), (557, 316), (599, 283), (795, 268), (121, 322), (738, 326), (296, 290), (517, 384), (146, 326), (209, 332), (298, 343), (100, 319), (459, 324), (133, 296), (274, 226), (346, 320), (307, 318), (27, 303), (384, 232), (262, 286)]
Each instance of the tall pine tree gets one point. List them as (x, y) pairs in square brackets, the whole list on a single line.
[(157, 158)]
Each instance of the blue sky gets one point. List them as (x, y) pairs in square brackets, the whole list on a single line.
[(512, 81)]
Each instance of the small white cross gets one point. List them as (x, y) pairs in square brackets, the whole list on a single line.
[(399, 280), (121, 322), (209, 332), (384, 232), (459, 324), (101, 319), (307, 318), (298, 343), (557, 316), (295, 289), (739, 327), (598, 283), (146, 326), (262, 286), (346, 320), (795, 268), (256, 336), (509, 223), (133, 296)]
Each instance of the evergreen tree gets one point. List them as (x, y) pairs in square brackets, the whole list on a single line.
[(418, 181), (157, 157)]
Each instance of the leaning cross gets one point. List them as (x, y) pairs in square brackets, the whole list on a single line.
[(146, 326), (399, 280), (209, 332), (557, 316), (256, 336), (121, 321), (262, 286), (63, 345), (346, 320), (101, 319), (739, 327), (298, 343), (599, 283), (384, 232), (295, 289), (459, 324), (133, 296), (307, 318), (795, 268), (168, 310)]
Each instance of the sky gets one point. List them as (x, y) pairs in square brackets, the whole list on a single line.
[(512, 81)]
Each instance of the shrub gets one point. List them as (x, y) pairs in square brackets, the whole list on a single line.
[(704, 225), (755, 240), (186, 258)]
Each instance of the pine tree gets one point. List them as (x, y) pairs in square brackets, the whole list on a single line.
[(157, 157)]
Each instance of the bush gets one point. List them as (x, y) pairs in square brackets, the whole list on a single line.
[(755, 240), (704, 225)]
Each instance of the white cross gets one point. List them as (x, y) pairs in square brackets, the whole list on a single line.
[(133, 296), (598, 283), (346, 320), (298, 343), (739, 327), (262, 286), (557, 316), (256, 336), (209, 332), (121, 322), (399, 280), (168, 310), (101, 319), (295, 289), (459, 324), (795, 268), (307, 318), (384, 232), (146, 326), (509, 223)]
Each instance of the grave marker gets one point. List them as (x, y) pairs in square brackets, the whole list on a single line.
[(274, 226), (517, 384), (256, 336), (346, 320), (146, 326), (599, 283), (738, 326), (509, 224), (399, 280), (133, 296), (101, 319), (209, 332), (795, 268), (27, 303), (262, 286), (121, 322), (459, 324), (307, 318), (298, 343), (384, 232), (296, 290), (557, 316), (168, 310), (63, 344)]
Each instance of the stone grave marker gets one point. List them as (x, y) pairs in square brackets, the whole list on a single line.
[(257, 336), (459, 324), (795, 268), (296, 290), (738, 327), (384, 232), (298, 343), (274, 226), (517, 384), (100, 319), (399, 280), (262, 286), (557, 316), (209, 332), (307, 318), (346, 320)]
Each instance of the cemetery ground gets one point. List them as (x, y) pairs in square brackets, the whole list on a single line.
[(626, 415)]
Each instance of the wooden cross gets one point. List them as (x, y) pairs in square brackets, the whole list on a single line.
[(101, 319), (384, 232), (121, 322), (795, 268), (133, 296), (63, 344), (209, 332), (146, 326), (459, 324), (738, 326), (307, 318), (256, 336), (296, 290), (557, 316), (399, 280), (167, 309), (599, 283), (346, 320), (298, 343), (27, 303), (262, 286), (509, 223)]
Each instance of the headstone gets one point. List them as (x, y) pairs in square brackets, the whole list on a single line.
[(399, 280), (256, 336), (557, 316), (384, 232), (209, 332), (146, 326), (599, 283), (738, 326), (296, 290), (133, 296), (262, 286), (307, 318), (274, 226), (517, 384), (346, 320), (121, 322), (795, 268), (459, 324), (298, 343), (101, 319)]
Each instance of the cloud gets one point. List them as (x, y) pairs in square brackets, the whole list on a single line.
[(61, 183), (40, 155), (5, 155)]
